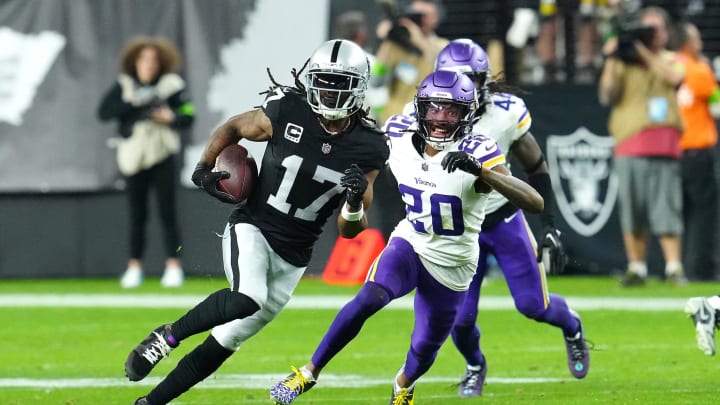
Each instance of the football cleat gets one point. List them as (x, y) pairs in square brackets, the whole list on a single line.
[(472, 383), (402, 397), (703, 316), (145, 356), (285, 391), (141, 401), (578, 356), (631, 279)]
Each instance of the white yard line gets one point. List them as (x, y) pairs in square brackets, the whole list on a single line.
[(247, 381), (314, 302)]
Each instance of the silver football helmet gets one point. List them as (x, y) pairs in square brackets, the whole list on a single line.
[(336, 80)]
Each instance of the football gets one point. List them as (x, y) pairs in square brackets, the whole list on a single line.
[(236, 160)]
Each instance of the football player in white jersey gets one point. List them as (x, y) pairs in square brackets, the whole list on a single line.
[(445, 174), (505, 233)]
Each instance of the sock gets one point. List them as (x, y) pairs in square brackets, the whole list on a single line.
[(218, 308), (674, 267), (639, 268), (193, 368), (474, 368), (397, 386), (307, 373)]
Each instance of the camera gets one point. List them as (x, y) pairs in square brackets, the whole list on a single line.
[(397, 33), (628, 33)]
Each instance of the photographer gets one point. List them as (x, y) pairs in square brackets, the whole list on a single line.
[(646, 126), (405, 55)]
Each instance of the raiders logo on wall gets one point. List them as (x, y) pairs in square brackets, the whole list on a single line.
[(582, 179)]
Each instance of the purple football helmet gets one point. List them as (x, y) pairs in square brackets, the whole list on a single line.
[(446, 102), (465, 56)]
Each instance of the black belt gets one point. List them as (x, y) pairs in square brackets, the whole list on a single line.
[(498, 215)]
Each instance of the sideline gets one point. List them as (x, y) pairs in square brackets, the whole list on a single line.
[(313, 302)]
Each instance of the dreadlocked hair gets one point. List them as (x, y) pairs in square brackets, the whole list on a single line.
[(497, 84), (363, 114), (299, 86)]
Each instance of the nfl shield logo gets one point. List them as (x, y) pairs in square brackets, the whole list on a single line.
[(582, 179), (326, 148)]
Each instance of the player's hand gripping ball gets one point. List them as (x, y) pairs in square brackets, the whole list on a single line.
[(233, 177), (236, 161)]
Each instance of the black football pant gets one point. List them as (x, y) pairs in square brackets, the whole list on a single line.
[(161, 178)]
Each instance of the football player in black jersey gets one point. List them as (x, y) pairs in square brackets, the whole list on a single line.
[(322, 151)]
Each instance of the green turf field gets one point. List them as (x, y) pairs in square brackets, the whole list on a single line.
[(69, 348)]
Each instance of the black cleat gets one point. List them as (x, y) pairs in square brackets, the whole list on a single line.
[(148, 353)]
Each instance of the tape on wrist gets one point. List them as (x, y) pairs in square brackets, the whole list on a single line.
[(352, 216)]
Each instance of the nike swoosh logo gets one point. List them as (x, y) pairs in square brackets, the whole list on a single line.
[(704, 314), (510, 218)]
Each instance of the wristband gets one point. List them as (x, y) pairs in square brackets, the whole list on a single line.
[(352, 216)]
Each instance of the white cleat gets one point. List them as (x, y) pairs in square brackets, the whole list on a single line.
[(703, 316)]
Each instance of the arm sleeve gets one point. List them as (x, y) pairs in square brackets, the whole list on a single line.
[(183, 108), (701, 81), (113, 106)]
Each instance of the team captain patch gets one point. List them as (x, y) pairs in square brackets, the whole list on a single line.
[(293, 132)]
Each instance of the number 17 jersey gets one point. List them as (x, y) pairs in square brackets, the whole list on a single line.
[(299, 183)]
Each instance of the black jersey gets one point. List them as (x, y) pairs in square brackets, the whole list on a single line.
[(299, 184)]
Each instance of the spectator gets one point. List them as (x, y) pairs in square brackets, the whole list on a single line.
[(526, 24), (352, 25), (639, 82), (150, 104), (697, 97), (406, 55)]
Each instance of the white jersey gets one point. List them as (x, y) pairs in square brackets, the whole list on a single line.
[(444, 212), (506, 119)]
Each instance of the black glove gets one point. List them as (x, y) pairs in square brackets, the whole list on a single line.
[(551, 246), (206, 179), (355, 182), (463, 161)]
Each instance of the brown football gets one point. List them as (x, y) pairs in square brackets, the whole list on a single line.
[(236, 160)]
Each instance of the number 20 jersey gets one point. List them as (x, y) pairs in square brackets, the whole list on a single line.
[(443, 210), (299, 182)]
